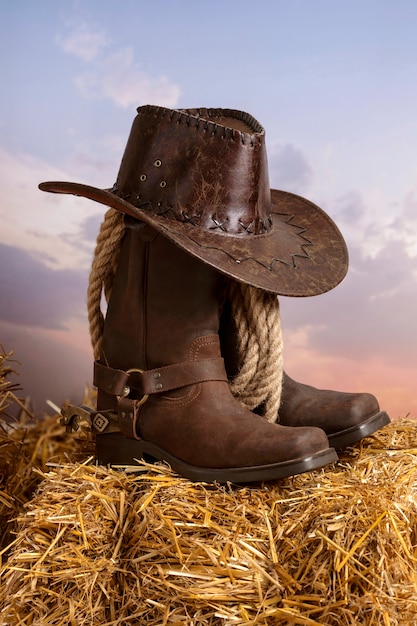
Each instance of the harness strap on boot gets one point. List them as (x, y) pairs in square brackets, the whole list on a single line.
[(146, 382), (140, 384)]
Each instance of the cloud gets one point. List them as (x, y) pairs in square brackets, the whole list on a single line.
[(118, 78), (372, 223), (392, 382), (49, 225), (35, 295), (349, 208), (84, 42), (403, 227), (361, 335), (90, 227), (115, 75), (289, 169), (369, 314)]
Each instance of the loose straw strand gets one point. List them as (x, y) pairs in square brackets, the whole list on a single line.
[(255, 312)]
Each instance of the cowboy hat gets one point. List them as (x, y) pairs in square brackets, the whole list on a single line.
[(200, 178)]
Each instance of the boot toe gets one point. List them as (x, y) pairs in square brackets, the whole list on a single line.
[(306, 440), (345, 417), (362, 407)]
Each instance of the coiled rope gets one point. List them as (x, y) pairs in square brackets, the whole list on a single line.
[(256, 315)]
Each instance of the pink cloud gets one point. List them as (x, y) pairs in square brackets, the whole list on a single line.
[(392, 383)]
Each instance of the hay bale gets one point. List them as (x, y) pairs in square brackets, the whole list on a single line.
[(336, 546), (27, 444)]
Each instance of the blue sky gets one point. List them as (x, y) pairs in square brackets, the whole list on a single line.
[(335, 85)]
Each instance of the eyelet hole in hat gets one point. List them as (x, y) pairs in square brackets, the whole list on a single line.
[(157, 163), (163, 183), (143, 177)]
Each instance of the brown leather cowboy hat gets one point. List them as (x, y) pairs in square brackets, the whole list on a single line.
[(200, 177)]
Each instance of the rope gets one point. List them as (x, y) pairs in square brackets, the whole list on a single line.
[(103, 270), (260, 348), (255, 312)]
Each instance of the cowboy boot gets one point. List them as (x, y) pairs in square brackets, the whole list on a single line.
[(162, 387), (345, 417)]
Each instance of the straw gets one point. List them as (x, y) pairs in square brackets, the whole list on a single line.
[(105, 547)]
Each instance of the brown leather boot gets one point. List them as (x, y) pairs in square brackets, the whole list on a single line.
[(162, 387), (345, 417)]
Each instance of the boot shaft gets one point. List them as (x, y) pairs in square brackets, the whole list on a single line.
[(162, 300)]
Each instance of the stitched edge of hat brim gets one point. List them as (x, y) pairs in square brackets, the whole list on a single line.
[(299, 274)]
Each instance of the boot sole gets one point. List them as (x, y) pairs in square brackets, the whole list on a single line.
[(116, 450), (351, 435)]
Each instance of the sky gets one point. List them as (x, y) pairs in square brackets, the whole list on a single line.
[(334, 84)]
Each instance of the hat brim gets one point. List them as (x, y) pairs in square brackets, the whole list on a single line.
[(304, 254)]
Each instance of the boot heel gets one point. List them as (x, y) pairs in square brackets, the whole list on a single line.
[(116, 449)]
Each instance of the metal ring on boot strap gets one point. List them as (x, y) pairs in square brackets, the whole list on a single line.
[(127, 409), (126, 388)]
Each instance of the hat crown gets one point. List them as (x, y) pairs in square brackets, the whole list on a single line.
[(199, 177), (204, 167)]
